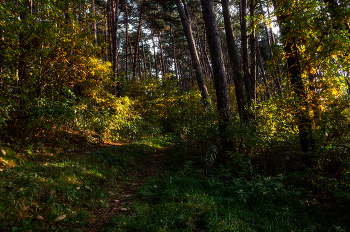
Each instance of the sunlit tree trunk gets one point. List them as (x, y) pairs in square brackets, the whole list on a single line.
[(252, 39), (94, 23)]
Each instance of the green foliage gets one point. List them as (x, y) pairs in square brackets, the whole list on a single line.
[(53, 183), (189, 201)]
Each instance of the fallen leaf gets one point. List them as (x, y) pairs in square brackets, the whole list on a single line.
[(123, 209), (77, 188), (3, 152), (88, 188), (39, 217), (59, 218), (111, 193), (116, 201), (1, 170), (127, 195)]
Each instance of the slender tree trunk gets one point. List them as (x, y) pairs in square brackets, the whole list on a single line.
[(252, 40), (174, 53), (248, 83), (149, 62), (109, 25), (268, 93), (277, 71), (235, 64), (206, 57), (114, 18), (200, 49), (144, 59), (126, 18), (155, 55), (161, 55), (185, 19), (218, 64), (105, 38), (139, 30), (94, 23)]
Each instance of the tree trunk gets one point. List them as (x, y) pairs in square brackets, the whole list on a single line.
[(137, 43), (174, 53), (109, 25), (234, 60), (185, 19), (248, 83), (155, 55), (114, 18), (161, 55), (144, 59), (218, 64), (252, 40), (262, 70), (94, 23), (126, 18)]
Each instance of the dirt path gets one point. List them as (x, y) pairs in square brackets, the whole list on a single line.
[(117, 205)]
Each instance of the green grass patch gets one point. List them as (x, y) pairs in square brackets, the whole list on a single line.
[(71, 183), (188, 200)]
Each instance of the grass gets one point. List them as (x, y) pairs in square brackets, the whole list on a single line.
[(38, 187), (188, 200)]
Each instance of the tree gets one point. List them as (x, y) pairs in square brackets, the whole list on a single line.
[(186, 23), (234, 60), (220, 80)]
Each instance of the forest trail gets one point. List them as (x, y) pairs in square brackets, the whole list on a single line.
[(117, 205)]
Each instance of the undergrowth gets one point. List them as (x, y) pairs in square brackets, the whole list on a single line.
[(37, 188), (188, 200)]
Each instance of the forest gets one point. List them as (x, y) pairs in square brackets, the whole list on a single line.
[(175, 115)]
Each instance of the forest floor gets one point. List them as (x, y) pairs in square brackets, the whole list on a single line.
[(154, 165), (146, 185)]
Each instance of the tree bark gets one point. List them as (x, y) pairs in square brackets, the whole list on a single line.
[(234, 61), (185, 19), (220, 80), (155, 55), (262, 70), (248, 83), (126, 18), (114, 18), (137, 43), (174, 53), (94, 23), (161, 55)]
